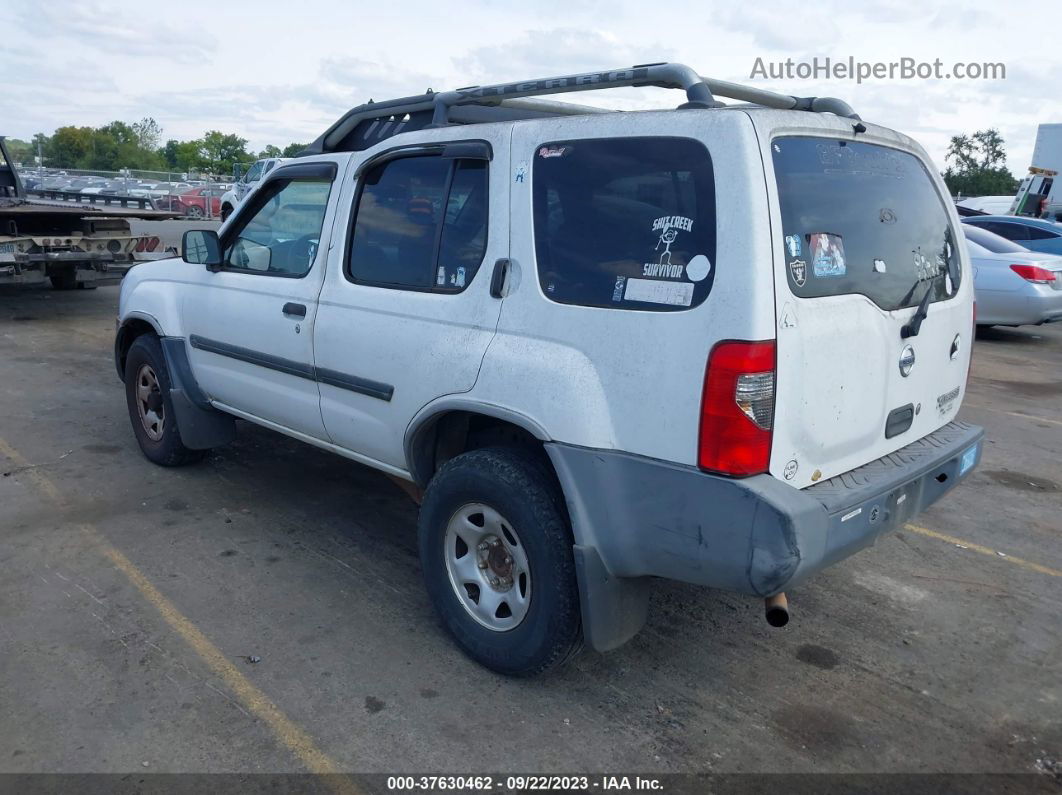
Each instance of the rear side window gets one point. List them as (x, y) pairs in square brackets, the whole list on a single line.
[(991, 241), (862, 218), (1003, 229), (625, 223), (420, 224), (1036, 233)]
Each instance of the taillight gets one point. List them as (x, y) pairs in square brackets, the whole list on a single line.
[(737, 408), (141, 244), (1034, 273), (152, 244)]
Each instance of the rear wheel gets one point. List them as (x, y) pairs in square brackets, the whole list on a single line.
[(147, 391), (66, 280), (195, 211), (496, 551), (226, 211)]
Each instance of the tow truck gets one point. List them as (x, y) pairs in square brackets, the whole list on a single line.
[(70, 239), (1034, 198)]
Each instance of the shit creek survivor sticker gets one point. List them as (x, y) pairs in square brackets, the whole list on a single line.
[(665, 279)]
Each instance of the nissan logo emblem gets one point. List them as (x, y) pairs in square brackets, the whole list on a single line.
[(907, 360)]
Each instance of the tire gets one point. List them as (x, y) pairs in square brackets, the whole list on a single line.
[(474, 494), (147, 394), (67, 280), (226, 211)]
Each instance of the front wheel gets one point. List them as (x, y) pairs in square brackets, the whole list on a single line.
[(496, 551), (147, 392)]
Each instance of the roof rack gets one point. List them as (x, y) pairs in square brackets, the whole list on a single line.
[(373, 122)]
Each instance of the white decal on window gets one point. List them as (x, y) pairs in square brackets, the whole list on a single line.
[(653, 292), (698, 268)]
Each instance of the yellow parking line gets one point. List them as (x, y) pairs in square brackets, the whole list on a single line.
[(1025, 564), (253, 699)]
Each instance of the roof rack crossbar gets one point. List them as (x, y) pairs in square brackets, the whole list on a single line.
[(663, 75), (771, 99)]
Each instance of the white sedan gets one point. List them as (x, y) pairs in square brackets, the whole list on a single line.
[(1014, 286)]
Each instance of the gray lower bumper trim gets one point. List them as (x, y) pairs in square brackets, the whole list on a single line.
[(755, 535)]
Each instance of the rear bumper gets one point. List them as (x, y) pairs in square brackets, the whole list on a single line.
[(1033, 305), (635, 517)]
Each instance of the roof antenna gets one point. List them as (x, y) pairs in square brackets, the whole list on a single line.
[(859, 127)]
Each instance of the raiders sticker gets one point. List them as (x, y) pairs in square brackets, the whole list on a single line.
[(798, 269)]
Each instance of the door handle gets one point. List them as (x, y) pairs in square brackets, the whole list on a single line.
[(497, 279), (295, 310)]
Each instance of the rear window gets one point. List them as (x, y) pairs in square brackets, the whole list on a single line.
[(862, 218), (991, 241), (625, 223)]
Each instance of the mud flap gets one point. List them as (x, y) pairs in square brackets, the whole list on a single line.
[(201, 425), (614, 609)]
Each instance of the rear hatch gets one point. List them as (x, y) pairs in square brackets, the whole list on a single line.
[(863, 233)]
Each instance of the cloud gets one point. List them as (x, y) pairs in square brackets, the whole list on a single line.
[(109, 30)]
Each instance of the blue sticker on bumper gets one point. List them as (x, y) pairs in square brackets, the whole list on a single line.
[(967, 461)]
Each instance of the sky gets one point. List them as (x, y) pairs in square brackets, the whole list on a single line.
[(281, 72)]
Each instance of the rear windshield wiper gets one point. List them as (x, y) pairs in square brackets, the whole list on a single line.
[(914, 325)]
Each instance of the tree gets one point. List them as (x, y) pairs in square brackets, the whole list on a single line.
[(270, 151), (20, 151), (292, 150), (979, 165), (69, 147), (148, 133), (220, 151), (182, 156)]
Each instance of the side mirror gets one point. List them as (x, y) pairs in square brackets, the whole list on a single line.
[(202, 247)]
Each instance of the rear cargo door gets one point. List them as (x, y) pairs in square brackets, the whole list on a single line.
[(864, 238)]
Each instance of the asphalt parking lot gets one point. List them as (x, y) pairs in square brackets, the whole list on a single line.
[(133, 599)]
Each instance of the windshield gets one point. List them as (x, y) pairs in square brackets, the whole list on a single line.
[(862, 218), (991, 241)]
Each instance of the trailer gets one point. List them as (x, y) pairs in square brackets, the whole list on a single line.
[(70, 239)]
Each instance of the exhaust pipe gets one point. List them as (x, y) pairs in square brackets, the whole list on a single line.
[(777, 610)]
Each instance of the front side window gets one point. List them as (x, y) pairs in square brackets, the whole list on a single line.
[(420, 223), (281, 238), (859, 218), (625, 223)]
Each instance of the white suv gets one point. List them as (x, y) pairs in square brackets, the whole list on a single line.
[(719, 344), (231, 198)]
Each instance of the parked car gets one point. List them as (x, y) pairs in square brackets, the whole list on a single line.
[(194, 203), (232, 197), (1014, 286), (991, 205), (1032, 233), (594, 343)]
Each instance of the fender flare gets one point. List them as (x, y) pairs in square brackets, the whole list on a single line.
[(431, 412), (122, 333)]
